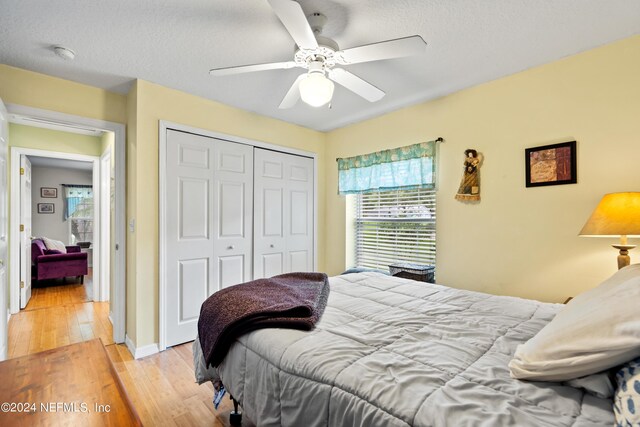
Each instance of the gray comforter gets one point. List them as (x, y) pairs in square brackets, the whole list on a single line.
[(395, 352)]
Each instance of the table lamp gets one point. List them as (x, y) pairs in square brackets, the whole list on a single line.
[(617, 215)]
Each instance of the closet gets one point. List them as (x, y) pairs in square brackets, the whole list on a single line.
[(233, 212)]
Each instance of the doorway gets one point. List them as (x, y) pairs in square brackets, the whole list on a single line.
[(61, 209), (108, 276), (58, 196)]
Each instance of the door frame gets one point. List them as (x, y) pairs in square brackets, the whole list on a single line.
[(56, 120), (104, 182), (25, 268), (14, 223), (163, 127), (4, 235)]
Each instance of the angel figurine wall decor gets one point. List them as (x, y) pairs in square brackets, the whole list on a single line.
[(470, 185)]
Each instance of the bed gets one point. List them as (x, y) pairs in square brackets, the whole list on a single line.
[(396, 352)]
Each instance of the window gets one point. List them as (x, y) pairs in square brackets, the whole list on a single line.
[(395, 226), (81, 230), (79, 212)]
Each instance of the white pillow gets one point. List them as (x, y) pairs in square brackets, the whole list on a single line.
[(597, 330), (54, 244)]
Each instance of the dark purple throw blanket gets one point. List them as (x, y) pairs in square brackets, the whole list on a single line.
[(293, 300)]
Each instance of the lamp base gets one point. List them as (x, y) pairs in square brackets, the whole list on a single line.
[(624, 259)]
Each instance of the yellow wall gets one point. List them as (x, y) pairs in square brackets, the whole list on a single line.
[(18, 86), (154, 103), (517, 241), (53, 140)]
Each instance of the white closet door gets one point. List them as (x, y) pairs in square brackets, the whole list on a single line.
[(299, 229), (283, 214), (208, 225), (233, 213)]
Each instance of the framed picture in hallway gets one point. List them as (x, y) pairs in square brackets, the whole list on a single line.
[(46, 208), (551, 165), (48, 192)]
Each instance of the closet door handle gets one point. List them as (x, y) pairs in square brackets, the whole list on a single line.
[(230, 247), (271, 245)]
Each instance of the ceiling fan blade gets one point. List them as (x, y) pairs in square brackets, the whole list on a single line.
[(292, 17), (398, 48), (251, 68), (356, 85), (293, 95)]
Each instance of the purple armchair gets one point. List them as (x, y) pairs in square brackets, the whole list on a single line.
[(50, 264)]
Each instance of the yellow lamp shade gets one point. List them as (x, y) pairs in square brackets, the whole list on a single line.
[(617, 214)]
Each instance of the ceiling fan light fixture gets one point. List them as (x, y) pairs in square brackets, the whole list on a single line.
[(320, 55), (316, 90)]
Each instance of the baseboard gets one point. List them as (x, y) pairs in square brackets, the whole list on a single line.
[(111, 318), (140, 352), (8, 316)]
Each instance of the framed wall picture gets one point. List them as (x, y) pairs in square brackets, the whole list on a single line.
[(553, 164), (48, 192), (46, 208)]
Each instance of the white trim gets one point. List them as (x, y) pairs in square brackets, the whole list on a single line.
[(315, 214), (48, 124), (163, 126), (97, 263), (104, 182), (14, 223), (120, 211), (140, 352), (162, 238)]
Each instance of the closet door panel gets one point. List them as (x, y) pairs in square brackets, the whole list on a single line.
[(231, 208), (283, 240), (233, 216), (272, 212), (272, 264), (193, 205), (231, 270), (299, 234), (209, 225), (189, 221), (269, 214), (193, 283)]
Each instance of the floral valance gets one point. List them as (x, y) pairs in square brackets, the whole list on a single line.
[(407, 167)]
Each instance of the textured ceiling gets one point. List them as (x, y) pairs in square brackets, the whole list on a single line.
[(175, 42)]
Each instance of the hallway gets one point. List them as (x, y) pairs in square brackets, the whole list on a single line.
[(59, 315)]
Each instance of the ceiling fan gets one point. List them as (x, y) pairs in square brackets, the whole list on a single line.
[(320, 56)]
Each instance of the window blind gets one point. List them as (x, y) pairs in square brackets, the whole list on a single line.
[(395, 226)]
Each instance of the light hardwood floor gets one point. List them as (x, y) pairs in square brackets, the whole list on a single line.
[(55, 292), (161, 387)]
